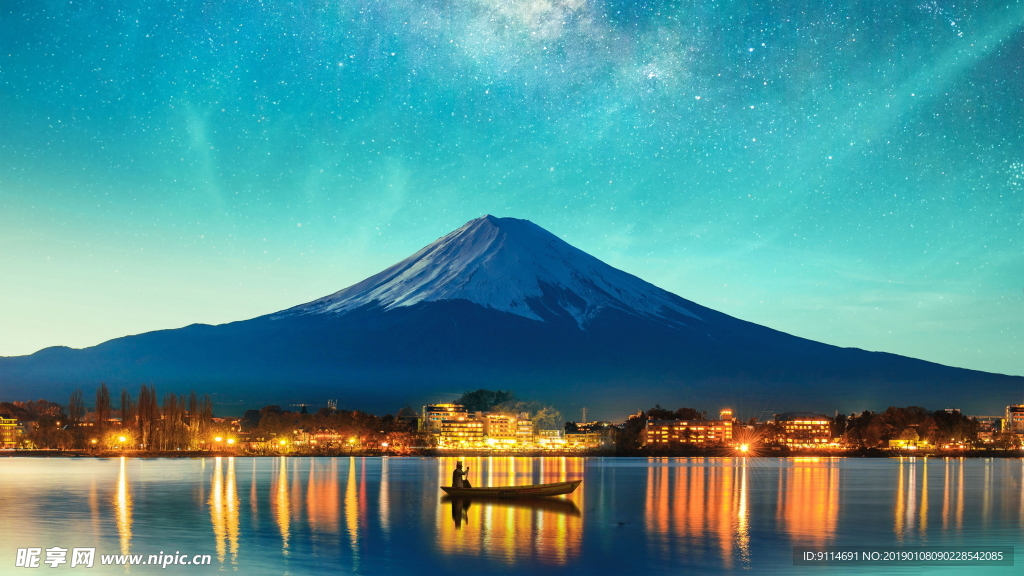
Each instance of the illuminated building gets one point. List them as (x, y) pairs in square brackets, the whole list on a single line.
[(90, 419), (501, 426), (1014, 421), (524, 429), (9, 432), (584, 440), (550, 440), (988, 427), (502, 432), (905, 444), (670, 433), (433, 415), (804, 430), (462, 430)]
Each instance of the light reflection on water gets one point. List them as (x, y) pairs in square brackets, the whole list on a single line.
[(376, 516), (224, 505), (546, 531), (123, 507)]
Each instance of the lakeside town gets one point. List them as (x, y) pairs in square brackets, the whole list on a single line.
[(483, 422)]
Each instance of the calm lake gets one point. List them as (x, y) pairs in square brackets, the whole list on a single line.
[(387, 516)]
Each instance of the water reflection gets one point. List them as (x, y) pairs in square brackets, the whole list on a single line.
[(254, 505), (743, 519), (460, 506), (383, 498), (352, 512), (282, 503), (323, 505), (123, 508), (460, 510), (808, 500), (693, 507), (224, 505), (714, 515), (912, 510), (923, 514), (499, 528)]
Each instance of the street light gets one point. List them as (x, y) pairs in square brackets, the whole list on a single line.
[(218, 439), (231, 440)]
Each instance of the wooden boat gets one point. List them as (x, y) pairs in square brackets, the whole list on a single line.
[(529, 491)]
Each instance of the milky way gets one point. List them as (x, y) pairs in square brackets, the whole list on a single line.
[(849, 172)]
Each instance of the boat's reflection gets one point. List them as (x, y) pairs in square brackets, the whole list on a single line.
[(545, 530), (460, 506)]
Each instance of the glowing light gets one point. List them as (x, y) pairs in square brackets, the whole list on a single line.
[(231, 440), (218, 439), (744, 447), (122, 439), (283, 442)]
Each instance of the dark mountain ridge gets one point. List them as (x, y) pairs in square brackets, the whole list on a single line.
[(502, 303)]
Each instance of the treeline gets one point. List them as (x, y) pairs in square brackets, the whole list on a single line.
[(628, 438), (544, 416), (875, 430), (867, 430), (329, 430), (178, 422)]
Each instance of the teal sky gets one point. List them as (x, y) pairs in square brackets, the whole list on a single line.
[(851, 173)]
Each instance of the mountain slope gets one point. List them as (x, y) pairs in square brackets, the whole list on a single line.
[(502, 303), (507, 265)]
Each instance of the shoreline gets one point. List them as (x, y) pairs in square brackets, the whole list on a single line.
[(477, 454)]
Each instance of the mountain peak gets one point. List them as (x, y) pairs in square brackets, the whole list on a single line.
[(510, 265)]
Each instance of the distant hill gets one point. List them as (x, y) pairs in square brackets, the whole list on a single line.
[(503, 304)]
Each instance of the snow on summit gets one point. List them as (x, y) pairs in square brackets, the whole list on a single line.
[(509, 265)]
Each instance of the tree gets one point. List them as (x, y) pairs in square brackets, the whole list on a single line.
[(127, 409), (76, 406), (173, 431), (148, 415), (689, 414), (953, 427), (102, 408), (838, 425), (483, 400), (547, 418), (408, 412), (659, 413), (250, 420), (910, 435), (544, 416), (272, 409), (628, 438)]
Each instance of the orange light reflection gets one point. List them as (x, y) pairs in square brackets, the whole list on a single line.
[(497, 529)]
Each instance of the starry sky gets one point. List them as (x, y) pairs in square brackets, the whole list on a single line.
[(850, 172)]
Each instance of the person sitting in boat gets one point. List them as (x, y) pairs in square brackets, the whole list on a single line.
[(459, 476)]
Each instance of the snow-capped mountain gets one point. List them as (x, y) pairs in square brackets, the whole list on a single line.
[(501, 303), (508, 265)]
